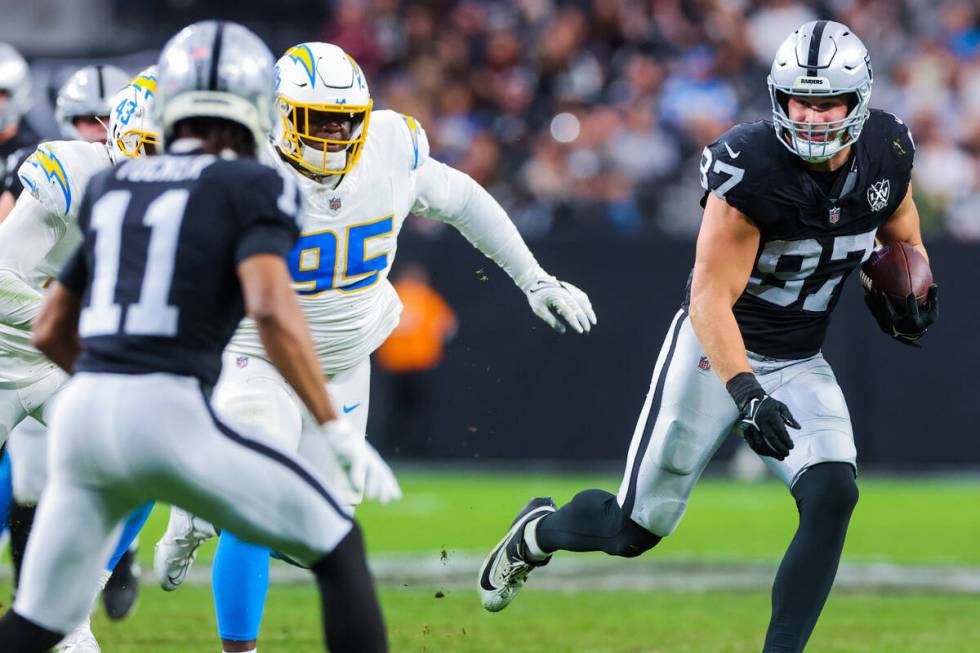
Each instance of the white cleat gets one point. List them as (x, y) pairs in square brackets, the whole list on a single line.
[(506, 569), (177, 549), (80, 640)]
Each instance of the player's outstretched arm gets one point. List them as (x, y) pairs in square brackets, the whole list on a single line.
[(56, 327), (726, 251), (453, 197)]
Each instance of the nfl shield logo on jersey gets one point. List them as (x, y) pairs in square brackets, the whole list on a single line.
[(878, 194), (834, 215), (241, 361), (704, 364), (334, 203)]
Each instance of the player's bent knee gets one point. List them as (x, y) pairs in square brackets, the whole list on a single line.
[(633, 540), (828, 489)]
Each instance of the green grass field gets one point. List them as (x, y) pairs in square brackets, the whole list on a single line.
[(916, 522)]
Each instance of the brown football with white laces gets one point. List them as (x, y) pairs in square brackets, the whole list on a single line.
[(897, 270)]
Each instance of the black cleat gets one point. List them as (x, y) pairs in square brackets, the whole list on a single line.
[(119, 595), (506, 569)]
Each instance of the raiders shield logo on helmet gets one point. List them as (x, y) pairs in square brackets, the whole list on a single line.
[(878, 195)]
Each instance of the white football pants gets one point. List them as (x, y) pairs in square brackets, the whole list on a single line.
[(688, 413), (253, 396), (118, 441)]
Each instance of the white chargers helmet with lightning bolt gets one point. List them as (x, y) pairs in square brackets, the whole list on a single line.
[(321, 77), (133, 126)]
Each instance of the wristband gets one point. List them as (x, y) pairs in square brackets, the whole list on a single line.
[(743, 387)]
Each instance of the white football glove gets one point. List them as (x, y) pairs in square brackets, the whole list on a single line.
[(550, 299), (368, 474), (380, 483)]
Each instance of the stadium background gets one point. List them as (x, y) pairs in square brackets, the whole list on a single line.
[(586, 121)]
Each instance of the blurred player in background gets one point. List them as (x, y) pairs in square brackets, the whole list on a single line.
[(185, 243), (361, 172), (17, 139), (35, 241), (790, 209)]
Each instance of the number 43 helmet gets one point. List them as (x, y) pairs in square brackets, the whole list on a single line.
[(216, 69), (314, 78), (133, 128), (821, 58)]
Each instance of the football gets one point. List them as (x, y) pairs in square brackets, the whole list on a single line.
[(897, 270)]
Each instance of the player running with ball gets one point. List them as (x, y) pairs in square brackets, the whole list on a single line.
[(790, 209)]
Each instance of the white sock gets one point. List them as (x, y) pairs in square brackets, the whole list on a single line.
[(534, 551), (253, 650)]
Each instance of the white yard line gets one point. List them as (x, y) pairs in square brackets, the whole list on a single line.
[(597, 574)]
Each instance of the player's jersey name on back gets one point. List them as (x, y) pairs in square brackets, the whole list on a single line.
[(158, 268), (810, 240)]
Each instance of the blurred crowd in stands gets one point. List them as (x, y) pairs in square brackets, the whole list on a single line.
[(595, 112)]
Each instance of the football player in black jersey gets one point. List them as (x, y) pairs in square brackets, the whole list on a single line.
[(791, 207), (17, 139), (177, 248)]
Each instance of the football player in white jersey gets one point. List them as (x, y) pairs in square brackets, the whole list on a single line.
[(361, 172), (36, 239)]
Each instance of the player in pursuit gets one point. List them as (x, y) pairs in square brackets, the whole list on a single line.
[(176, 249), (35, 241), (790, 209), (361, 172)]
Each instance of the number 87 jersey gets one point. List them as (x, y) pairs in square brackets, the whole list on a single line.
[(813, 231), (347, 244)]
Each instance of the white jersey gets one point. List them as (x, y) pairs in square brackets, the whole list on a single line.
[(347, 244), (35, 241)]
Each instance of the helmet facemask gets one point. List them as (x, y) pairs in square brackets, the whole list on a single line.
[(313, 153), (816, 142)]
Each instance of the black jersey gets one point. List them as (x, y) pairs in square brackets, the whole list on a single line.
[(157, 270), (13, 153), (810, 240)]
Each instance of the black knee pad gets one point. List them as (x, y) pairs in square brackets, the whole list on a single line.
[(633, 540), (828, 490)]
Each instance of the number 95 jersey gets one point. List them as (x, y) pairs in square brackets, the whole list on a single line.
[(347, 244), (812, 235)]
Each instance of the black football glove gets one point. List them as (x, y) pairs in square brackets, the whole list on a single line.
[(762, 420), (911, 324)]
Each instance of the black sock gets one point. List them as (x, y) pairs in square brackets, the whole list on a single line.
[(19, 635), (21, 519), (352, 620), (825, 495), (593, 521)]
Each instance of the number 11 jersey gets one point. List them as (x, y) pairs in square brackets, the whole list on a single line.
[(157, 269), (810, 239)]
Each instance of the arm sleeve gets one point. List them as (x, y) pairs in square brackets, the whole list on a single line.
[(268, 209), (26, 237), (448, 195)]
